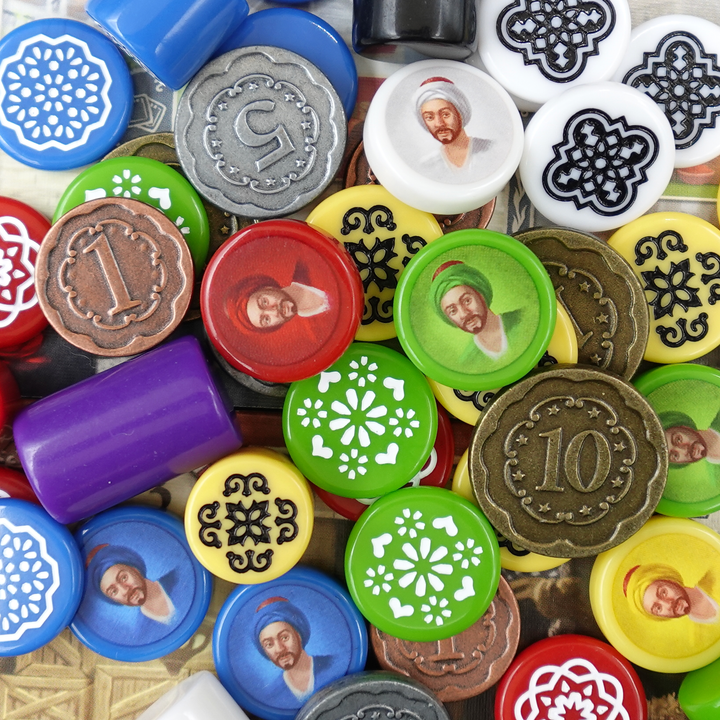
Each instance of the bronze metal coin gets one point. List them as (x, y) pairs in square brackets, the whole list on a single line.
[(568, 462), (359, 172), (114, 276), (464, 665), (601, 293)]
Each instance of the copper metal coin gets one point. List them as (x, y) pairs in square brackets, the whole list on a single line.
[(464, 665), (114, 276), (359, 172), (601, 293), (568, 462)]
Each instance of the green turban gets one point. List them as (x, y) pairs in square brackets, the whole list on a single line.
[(451, 274), (675, 418)]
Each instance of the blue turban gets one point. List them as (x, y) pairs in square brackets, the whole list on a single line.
[(451, 274), (102, 557), (280, 609)]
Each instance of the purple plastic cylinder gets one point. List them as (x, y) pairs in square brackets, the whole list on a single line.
[(124, 431)]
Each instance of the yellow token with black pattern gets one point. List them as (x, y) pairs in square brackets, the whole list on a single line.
[(249, 517)]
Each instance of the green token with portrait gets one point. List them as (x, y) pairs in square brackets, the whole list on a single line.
[(687, 400), (475, 309)]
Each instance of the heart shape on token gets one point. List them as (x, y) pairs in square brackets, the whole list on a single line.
[(379, 544), (319, 449), (389, 457), (400, 610), (447, 524)]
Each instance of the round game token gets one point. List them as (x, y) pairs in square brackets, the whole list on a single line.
[(597, 156), (14, 484), (114, 276), (464, 665), (687, 401), (249, 517), (307, 35), (434, 473), (568, 462), (422, 564), (468, 405), (145, 593), (475, 309), (65, 94), (363, 427), (41, 575), (278, 643), (382, 235), (676, 257), (151, 182), (597, 286), (21, 232), (281, 301), (260, 131), (373, 693), (512, 556), (538, 50), (674, 60), (655, 597), (699, 694), (570, 676), (443, 136)]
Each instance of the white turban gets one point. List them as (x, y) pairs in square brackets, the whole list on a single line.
[(440, 88)]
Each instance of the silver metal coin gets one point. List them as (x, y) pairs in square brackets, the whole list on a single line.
[(260, 132)]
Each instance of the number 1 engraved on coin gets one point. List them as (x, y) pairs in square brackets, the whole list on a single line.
[(113, 275), (254, 139)]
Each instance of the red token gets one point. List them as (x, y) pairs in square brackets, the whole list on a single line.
[(14, 484), (21, 232), (435, 472), (281, 301), (570, 676)]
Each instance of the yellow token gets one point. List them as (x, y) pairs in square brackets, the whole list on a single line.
[(382, 234), (512, 557), (249, 517), (655, 596), (467, 405), (677, 258)]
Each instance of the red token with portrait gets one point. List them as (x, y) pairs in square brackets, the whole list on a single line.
[(281, 301), (21, 232), (570, 676), (434, 473)]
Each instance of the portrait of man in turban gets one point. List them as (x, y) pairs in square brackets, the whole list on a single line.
[(658, 591), (118, 575), (462, 296), (686, 443), (444, 110), (281, 634)]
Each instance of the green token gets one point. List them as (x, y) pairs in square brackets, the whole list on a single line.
[(687, 400), (151, 182), (475, 310), (363, 427), (699, 694), (422, 564)]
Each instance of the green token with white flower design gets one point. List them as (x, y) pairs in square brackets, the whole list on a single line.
[(151, 182), (422, 564), (363, 427)]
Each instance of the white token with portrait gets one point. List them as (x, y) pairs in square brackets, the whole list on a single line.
[(443, 136)]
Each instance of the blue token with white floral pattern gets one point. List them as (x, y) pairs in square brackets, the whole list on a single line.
[(41, 577), (65, 94), (363, 427), (422, 564)]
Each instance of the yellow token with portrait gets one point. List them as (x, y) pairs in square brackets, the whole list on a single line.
[(249, 517), (656, 596), (381, 233)]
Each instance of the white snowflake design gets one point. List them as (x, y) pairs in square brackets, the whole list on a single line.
[(18, 246), (420, 572), (357, 466), (405, 522), (306, 413), (126, 185), (369, 423), (378, 579), (29, 578), (54, 92), (436, 611), (467, 553), (363, 372), (408, 418)]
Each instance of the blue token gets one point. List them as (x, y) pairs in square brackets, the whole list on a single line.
[(65, 94), (145, 593), (40, 577), (267, 637), (308, 36)]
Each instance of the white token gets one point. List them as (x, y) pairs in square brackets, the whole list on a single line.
[(673, 60), (442, 136), (536, 50), (597, 156)]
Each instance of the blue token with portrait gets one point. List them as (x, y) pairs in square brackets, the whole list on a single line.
[(145, 593), (277, 643)]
